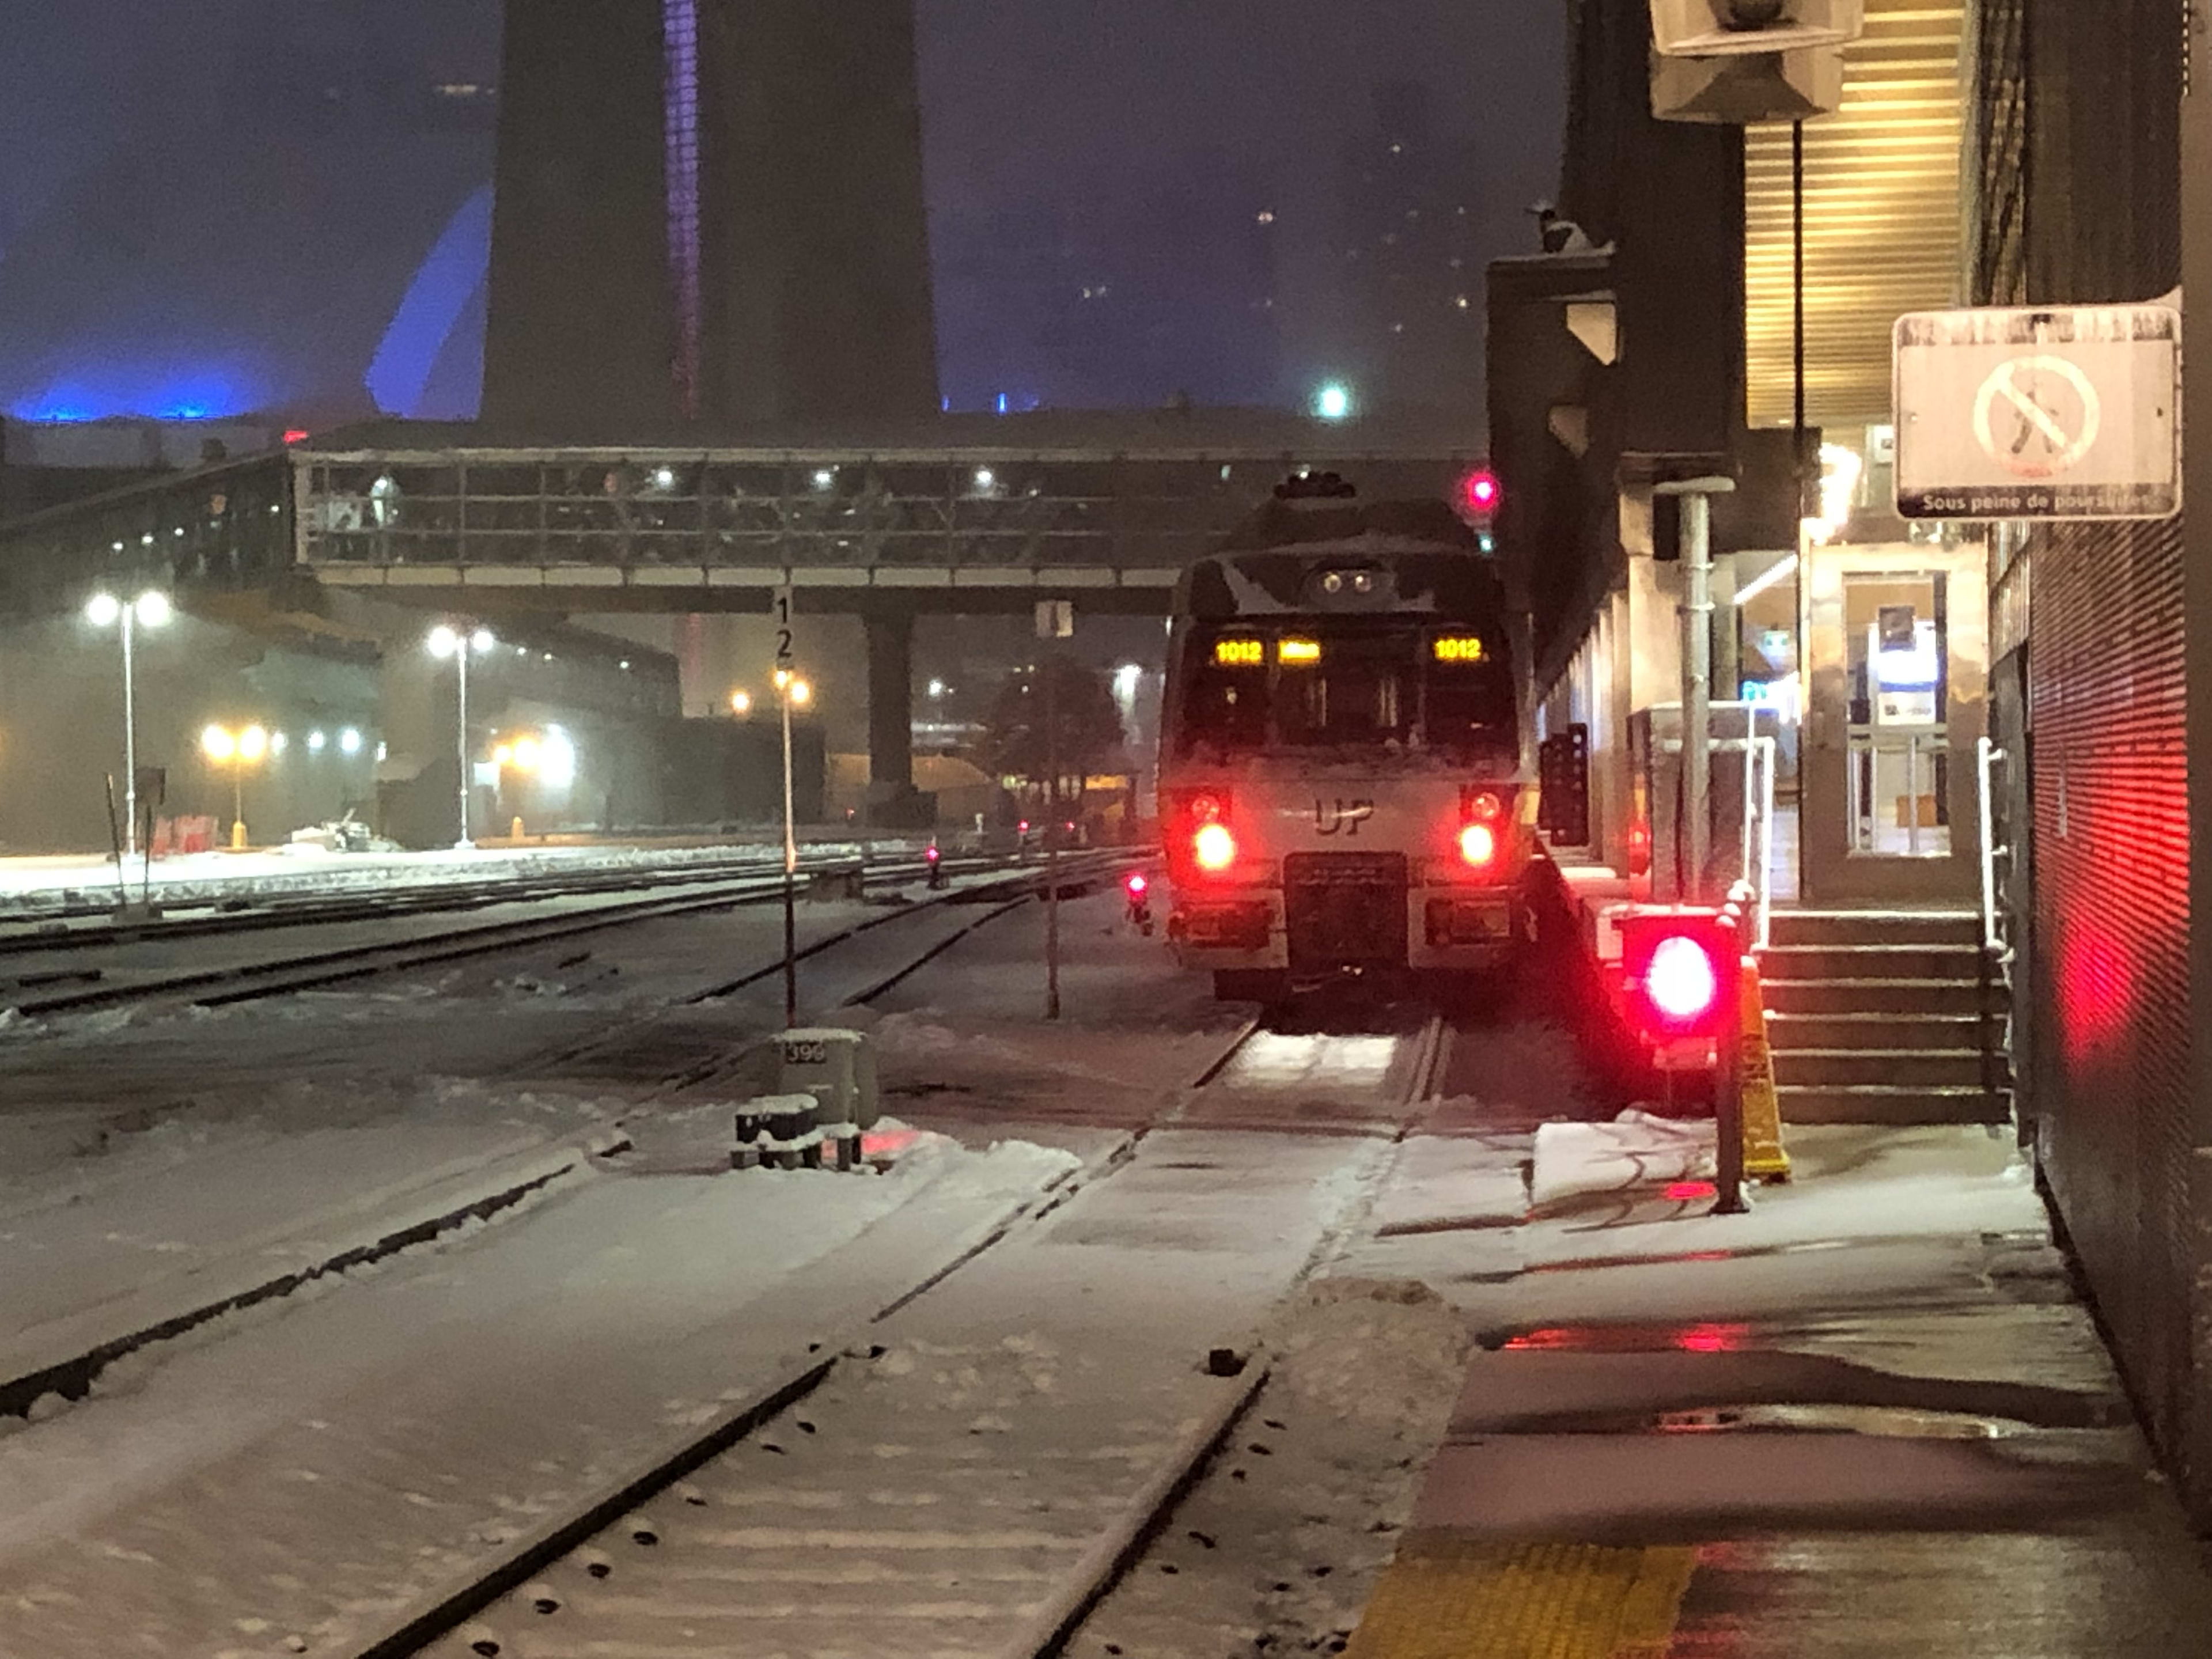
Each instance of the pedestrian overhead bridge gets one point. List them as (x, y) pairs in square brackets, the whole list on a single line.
[(971, 517)]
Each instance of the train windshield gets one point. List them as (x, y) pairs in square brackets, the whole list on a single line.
[(1389, 686)]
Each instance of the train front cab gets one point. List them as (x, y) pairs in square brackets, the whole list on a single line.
[(1289, 884)]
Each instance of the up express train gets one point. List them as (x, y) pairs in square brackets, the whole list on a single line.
[(1343, 792)]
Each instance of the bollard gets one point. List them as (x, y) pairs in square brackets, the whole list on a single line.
[(1727, 1121), (514, 829), (238, 836)]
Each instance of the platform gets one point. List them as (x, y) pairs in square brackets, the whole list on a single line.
[(1870, 1418)]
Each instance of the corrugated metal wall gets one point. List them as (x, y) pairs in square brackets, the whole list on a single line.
[(2108, 1078), (2069, 99)]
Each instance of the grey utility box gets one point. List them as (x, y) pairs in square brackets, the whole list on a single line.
[(838, 1068)]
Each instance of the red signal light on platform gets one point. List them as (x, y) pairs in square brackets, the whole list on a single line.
[(932, 854), (1681, 980), (1478, 845), (1484, 493), (1680, 967), (1138, 885)]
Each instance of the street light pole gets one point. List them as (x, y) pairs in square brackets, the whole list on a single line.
[(461, 659), (1052, 833), (129, 738)]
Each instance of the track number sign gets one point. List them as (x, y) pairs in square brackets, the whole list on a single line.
[(2066, 414)]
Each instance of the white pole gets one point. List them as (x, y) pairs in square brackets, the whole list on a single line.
[(461, 658), (129, 740), (1770, 748), (790, 872), (1986, 755), (1697, 689)]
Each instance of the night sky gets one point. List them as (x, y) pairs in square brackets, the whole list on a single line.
[(191, 219)]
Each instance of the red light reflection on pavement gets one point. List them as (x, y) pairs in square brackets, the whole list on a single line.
[(887, 1143), (1684, 1192), (1711, 1338)]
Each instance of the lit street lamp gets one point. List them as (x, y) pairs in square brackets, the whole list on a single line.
[(792, 692), (237, 750), (150, 609), (446, 641)]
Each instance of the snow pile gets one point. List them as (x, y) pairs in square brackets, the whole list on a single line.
[(1379, 1352), (1579, 1160)]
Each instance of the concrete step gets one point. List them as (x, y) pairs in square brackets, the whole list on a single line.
[(1915, 1068), (1831, 927), (1802, 962), (1892, 1106), (1819, 1029), (1894, 999)]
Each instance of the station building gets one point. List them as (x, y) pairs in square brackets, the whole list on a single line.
[(1983, 153)]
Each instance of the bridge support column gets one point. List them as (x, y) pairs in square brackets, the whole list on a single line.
[(891, 799)]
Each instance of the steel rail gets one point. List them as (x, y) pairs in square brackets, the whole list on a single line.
[(253, 982), (48, 933)]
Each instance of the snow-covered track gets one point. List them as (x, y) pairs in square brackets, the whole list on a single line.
[(214, 914), (281, 974), (70, 1371), (961, 1477)]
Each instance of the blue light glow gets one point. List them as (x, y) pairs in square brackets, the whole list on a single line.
[(680, 35), (434, 303), (139, 391)]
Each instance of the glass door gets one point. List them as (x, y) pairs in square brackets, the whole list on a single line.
[(1896, 657)]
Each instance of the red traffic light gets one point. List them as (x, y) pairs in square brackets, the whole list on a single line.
[(932, 854), (1484, 491), (1680, 968), (1138, 885)]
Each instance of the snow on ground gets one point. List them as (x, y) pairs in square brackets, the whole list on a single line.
[(36, 882), (197, 1210), (1278, 1548), (315, 1465), (930, 1497)]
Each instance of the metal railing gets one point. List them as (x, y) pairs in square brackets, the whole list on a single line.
[(1994, 932)]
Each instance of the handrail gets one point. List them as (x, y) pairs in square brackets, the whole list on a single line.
[(1988, 758)]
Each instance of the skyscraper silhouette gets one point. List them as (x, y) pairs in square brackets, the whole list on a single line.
[(708, 210)]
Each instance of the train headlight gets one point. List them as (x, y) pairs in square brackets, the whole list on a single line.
[(1478, 844), (1214, 847)]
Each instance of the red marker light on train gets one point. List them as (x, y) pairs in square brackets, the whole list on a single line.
[(1214, 848), (1478, 844)]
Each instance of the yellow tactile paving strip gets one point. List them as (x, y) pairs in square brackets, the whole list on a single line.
[(1448, 1597)]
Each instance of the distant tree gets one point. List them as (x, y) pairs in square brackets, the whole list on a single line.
[(1016, 743)]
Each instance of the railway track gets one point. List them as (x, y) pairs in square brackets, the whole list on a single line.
[(33, 932), (976, 1467), (71, 1374), (42, 994)]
